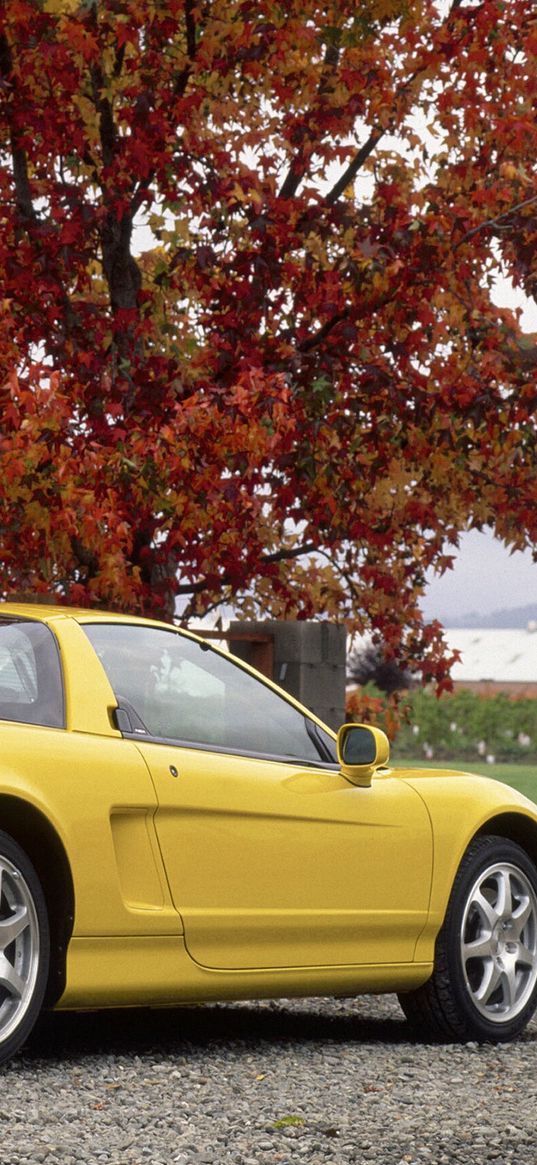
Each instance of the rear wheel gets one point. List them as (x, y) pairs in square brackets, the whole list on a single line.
[(24, 946), (484, 983)]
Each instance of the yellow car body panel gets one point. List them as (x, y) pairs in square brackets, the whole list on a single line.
[(460, 805), (97, 794), (129, 972), (200, 873), (89, 699), (255, 877)]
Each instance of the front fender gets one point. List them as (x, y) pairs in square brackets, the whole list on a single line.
[(461, 805)]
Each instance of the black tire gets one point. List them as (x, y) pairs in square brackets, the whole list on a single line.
[(24, 947), (484, 982)]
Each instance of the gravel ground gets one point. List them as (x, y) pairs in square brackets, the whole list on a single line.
[(317, 1081)]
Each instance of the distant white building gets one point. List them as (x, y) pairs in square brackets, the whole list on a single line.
[(495, 660)]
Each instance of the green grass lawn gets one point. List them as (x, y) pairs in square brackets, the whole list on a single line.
[(521, 777)]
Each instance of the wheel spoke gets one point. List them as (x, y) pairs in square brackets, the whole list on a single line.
[(12, 927), (504, 903), (526, 957), (478, 948), (509, 980), (489, 983), (520, 917), (487, 911), (13, 983)]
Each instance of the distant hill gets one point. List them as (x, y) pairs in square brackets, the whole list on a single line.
[(518, 617)]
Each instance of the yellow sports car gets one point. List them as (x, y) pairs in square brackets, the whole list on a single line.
[(174, 828)]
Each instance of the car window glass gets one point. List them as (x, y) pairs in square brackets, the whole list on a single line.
[(183, 690), (31, 687)]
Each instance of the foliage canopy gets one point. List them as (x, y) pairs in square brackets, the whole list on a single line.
[(248, 349)]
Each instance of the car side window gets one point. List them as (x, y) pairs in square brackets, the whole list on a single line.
[(181, 689), (31, 688)]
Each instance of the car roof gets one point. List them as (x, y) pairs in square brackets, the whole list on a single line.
[(46, 612)]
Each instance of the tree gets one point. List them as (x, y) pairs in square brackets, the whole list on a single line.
[(294, 390)]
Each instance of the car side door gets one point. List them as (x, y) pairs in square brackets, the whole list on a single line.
[(273, 864), (273, 858)]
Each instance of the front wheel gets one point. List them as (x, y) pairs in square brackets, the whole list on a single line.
[(484, 982), (24, 947)]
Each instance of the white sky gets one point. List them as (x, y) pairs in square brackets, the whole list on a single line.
[(485, 578)]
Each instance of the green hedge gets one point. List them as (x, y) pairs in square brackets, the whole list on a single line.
[(467, 726)]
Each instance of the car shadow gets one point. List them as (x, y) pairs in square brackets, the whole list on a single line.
[(169, 1031)]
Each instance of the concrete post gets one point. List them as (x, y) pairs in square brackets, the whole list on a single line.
[(309, 662)]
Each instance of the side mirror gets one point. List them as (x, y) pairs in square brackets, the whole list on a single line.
[(361, 750)]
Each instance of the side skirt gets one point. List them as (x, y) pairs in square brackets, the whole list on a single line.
[(145, 971)]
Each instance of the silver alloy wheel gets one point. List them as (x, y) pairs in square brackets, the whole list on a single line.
[(19, 947), (499, 942)]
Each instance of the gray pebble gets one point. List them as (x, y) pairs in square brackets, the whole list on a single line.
[(324, 1082)]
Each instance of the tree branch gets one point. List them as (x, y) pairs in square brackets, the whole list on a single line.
[(322, 332), (283, 555), (495, 222), (297, 167), (118, 63), (378, 132), (191, 48), (121, 270), (190, 29), (350, 173), (23, 193)]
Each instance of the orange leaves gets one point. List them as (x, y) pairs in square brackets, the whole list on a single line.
[(78, 36)]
